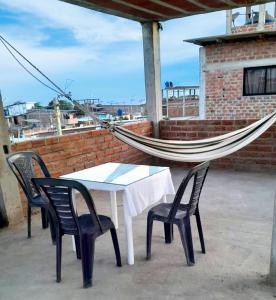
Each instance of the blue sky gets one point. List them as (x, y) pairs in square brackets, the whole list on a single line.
[(95, 55)]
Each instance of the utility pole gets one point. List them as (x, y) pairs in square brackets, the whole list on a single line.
[(57, 116)]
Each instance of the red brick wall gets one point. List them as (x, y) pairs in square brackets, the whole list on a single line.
[(258, 156), (224, 86), (252, 28), (74, 152)]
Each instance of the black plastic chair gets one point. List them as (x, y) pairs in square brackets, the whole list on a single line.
[(179, 214), (22, 165), (85, 228)]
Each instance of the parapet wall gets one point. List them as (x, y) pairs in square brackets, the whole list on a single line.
[(74, 152), (257, 156)]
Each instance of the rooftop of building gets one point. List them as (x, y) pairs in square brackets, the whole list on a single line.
[(237, 230), (237, 37)]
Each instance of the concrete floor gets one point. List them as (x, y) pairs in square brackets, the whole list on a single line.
[(236, 210)]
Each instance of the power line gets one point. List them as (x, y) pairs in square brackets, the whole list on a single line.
[(54, 86), (25, 68), (5, 42)]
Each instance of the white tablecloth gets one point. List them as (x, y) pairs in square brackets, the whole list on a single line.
[(143, 193)]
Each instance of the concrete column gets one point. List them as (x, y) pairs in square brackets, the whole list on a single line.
[(202, 100), (247, 14), (151, 45), (229, 21), (261, 17), (272, 271), (10, 204)]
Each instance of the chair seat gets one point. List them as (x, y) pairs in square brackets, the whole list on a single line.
[(38, 201), (162, 210), (87, 226)]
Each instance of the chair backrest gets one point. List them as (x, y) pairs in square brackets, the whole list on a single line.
[(198, 174), (22, 165), (59, 193)]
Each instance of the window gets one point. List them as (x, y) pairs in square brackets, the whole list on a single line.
[(259, 81)]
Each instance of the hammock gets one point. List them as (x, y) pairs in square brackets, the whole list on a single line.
[(198, 150)]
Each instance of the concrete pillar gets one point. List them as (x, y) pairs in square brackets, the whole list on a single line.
[(262, 13), (272, 271), (229, 21), (202, 100), (151, 45), (10, 204), (247, 14)]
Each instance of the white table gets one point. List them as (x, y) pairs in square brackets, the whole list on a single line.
[(141, 185)]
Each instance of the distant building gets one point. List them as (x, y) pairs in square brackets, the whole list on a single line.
[(238, 70), (126, 109), (180, 101), (18, 108)]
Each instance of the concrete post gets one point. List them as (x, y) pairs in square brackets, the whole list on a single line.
[(57, 115), (229, 21), (202, 100), (272, 271), (151, 45), (10, 204), (248, 14), (262, 14)]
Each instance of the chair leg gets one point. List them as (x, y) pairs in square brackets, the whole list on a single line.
[(149, 235), (200, 232), (186, 239), (58, 256), (44, 218), (87, 259), (116, 246), (29, 221), (78, 247), (168, 230), (52, 228)]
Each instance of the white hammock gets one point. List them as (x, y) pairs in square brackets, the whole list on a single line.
[(198, 150)]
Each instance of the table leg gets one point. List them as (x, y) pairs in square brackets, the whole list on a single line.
[(114, 214), (129, 235)]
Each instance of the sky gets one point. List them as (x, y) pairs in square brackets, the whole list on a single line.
[(91, 54)]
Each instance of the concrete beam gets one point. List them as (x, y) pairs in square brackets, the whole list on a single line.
[(240, 64), (10, 203), (151, 45)]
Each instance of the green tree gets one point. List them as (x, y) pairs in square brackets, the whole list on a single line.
[(63, 105), (79, 112), (38, 105)]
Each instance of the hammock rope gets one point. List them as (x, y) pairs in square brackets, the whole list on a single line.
[(196, 150)]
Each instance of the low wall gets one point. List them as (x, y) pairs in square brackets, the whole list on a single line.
[(74, 152), (257, 156)]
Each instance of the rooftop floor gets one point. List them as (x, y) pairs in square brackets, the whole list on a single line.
[(236, 211)]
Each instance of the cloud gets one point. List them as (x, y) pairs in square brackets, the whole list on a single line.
[(88, 26), (98, 45)]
